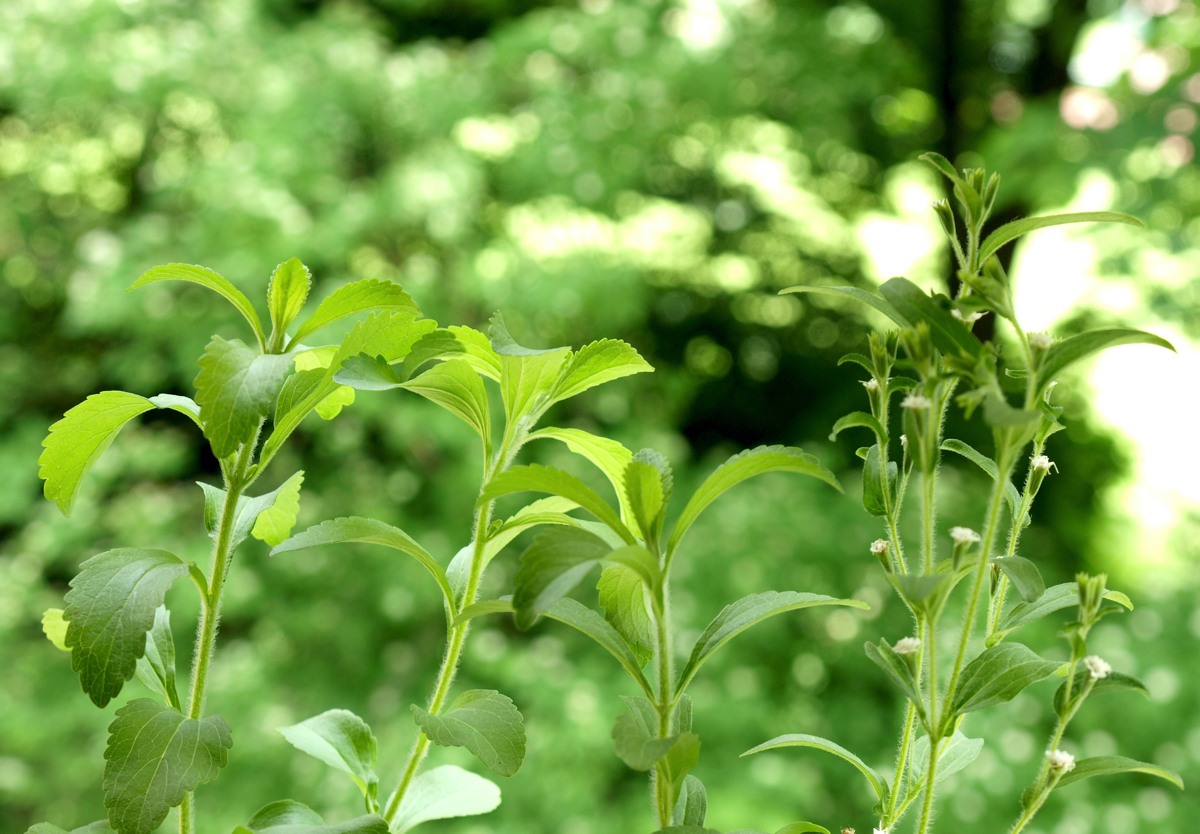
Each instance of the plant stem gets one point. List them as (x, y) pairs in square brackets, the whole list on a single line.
[(996, 607), (666, 701)]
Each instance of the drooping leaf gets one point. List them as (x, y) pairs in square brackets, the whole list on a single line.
[(286, 293), (1109, 765), (537, 478), (343, 741), (368, 531), (1025, 225), (358, 297), (747, 611), (997, 675), (1056, 598), (551, 510), (1061, 355), (312, 368), (554, 564), (622, 598), (1024, 575), (184, 405), (949, 334), (957, 753), (77, 440), (692, 807), (206, 278), (896, 669), (597, 363), (609, 456), (445, 792), (156, 668), (275, 523), (109, 609), (803, 740), (580, 617), (456, 387), (156, 756), (745, 465), (987, 465), (289, 817), (235, 389), (483, 721), (55, 628), (866, 296), (801, 828), (1112, 682), (858, 419)]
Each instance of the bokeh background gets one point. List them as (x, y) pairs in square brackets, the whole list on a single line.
[(653, 170)]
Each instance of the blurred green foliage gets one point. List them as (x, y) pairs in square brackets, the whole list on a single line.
[(630, 168)]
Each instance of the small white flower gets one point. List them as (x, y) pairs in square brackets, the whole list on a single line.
[(968, 319), (880, 547), (1097, 666), (904, 442), (881, 831), (916, 401), (1041, 341), (907, 645), (1061, 760), (871, 384), (963, 535), (1041, 463)]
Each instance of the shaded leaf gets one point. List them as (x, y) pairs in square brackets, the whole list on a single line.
[(445, 792), (1112, 682), (1011, 231), (949, 334), (623, 600), (156, 668), (343, 741), (894, 666), (582, 618), (367, 373), (554, 564), (537, 478), (957, 753), (997, 675), (483, 721), (987, 465), (1024, 575), (1061, 355), (636, 745), (818, 743), (692, 807), (860, 419), (206, 278), (98, 827), (867, 297), (456, 387), (289, 817)]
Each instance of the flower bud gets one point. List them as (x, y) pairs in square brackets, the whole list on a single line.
[(871, 384), (907, 646), (1097, 667), (968, 319), (963, 538), (1041, 341), (1091, 596), (916, 401), (880, 548), (1039, 468), (1060, 761)]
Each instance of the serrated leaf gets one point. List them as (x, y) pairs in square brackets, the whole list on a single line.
[(804, 740), (644, 489), (997, 675), (445, 792), (1061, 355), (692, 807), (1024, 575), (332, 405), (551, 567), (289, 817), (537, 478), (483, 721), (343, 741), (865, 296), (156, 668), (455, 342), (109, 609), (623, 600), (275, 523), (368, 531), (1011, 231), (505, 345), (358, 297), (596, 363), (368, 373), (155, 756), (609, 456), (745, 465), (286, 293), (949, 334), (747, 611), (77, 440), (206, 278), (580, 617), (235, 388), (55, 628), (250, 509), (957, 753), (1109, 765), (456, 387)]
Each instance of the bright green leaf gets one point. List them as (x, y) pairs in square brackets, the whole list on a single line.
[(804, 740), (206, 278), (235, 388), (343, 741), (483, 721), (275, 523), (286, 293), (456, 387), (358, 297), (860, 419), (1109, 765), (1012, 231), (55, 628), (367, 373), (184, 405), (537, 478), (866, 296), (455, 342), (597, 363), (442, 793), (609, 456), (644, 490)]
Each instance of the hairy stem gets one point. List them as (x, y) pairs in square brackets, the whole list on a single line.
[(666, 700), (996, 607)]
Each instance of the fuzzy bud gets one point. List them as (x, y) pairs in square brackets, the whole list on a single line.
[(1097, 667), (879, 549), (1042, 464), (964, 535), (907, 646), (904, 442), (871, 384), (916, 401), (1041, 341), (1091, 596), (1061, 761), (968, 319)]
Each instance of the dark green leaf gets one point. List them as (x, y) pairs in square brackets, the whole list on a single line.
[(582, 618), (894, 666), (1061, 355), (537, 478), (154, 758), (1109, 765), (997, 675), (286, 293), (869, 298), (949, 334), (289, 817), (1112, 682), (206, 278), (1056, 598), (235, 389), (98, 827), (554, 564), (358, 297), (804, 740), (110, 607), (483, 721), (1025, 576), (747, 611), (678, 762), (623, 599), (445, 792), (156, 668), (874, 499), (636, 745), (1012, 231)]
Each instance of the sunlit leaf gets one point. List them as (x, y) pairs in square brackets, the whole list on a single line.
[(483, 721), (804, 740), (206, 278), (286, 293), (358, 297), (1011, 231), (343, 741), (1109, 765), (442, 793), (235, 388)]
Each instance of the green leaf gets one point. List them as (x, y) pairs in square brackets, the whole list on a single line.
[(537, 478), (289, 817), (184, 405), (745, 465), (110, 607), (997, 675), (77, 440), (609, 456), (580, 617), (801, 828), (55, 628), (368, 531), (206, 278), (1112, 682), (483, 608), (445, 792), (804, 740), (343, 741), (1024, 575), (623, 600), (154, 758), (483, 721), (635, 745), (286, 293), (862, 420), (987, 465), (1056, 598), (874, 499), (957, 752), (692, 807), (235, 389), (455, 342), (679, 760), (554, 564), (98, 827), (949, 334), (1011, 231), (313, 367), (894, 666), (1109, 765), (156, 668), (866, 296), (747, 611), (691, 829), (1061, 355), (644, 489), (597, 363), (358, 297), (1119, 598), (275, 523), (456, 387), (550, 510), (368, 373)]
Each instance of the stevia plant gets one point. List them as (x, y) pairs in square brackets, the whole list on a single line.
[(114, 623), (948, 363), (632, 547), (448, 367)]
